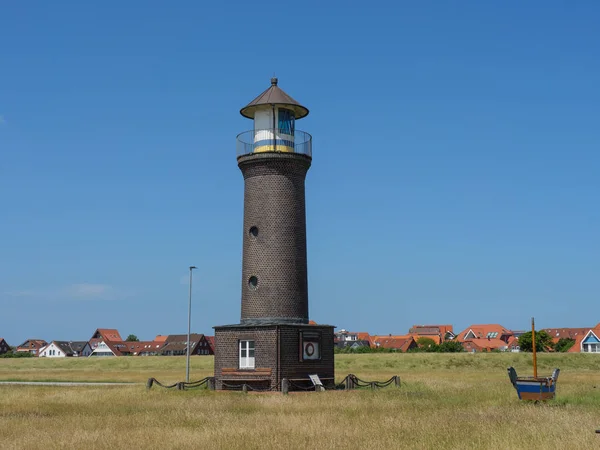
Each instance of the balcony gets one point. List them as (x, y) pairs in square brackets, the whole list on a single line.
[(274, 140)]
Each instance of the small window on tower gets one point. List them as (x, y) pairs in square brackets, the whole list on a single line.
[(253, 282), (253, 232)]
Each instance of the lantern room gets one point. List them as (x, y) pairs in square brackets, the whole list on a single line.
[(274, 114)]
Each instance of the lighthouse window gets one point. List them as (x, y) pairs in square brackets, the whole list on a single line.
[(253, 282), (286, 122), (246, 354), (253, 231)]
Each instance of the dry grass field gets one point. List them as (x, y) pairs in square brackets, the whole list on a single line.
[(446, 401)]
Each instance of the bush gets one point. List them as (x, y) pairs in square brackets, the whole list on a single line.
[(17, 355), (450, 347), (564, 344), (427, 344), (543, 342)]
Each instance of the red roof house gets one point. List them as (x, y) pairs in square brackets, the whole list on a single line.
[(491, 331), (401, 343), (32, 346)]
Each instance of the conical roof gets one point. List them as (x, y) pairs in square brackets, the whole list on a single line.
[(274, 96)]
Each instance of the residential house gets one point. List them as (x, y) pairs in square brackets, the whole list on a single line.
[(591, 341), (63, 349), (211, 344), (144, 348), (577, 334), (176, 344), (401, 343), (487, 337), (439, 333), (110, 348), (492, 331), (160, 339), (32, 346), (104, 335), (4, 347), (108, 342), (587, 340), (354, 340), (485, 345), (513, 344)]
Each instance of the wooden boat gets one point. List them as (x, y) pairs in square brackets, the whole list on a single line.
[(534, 388)]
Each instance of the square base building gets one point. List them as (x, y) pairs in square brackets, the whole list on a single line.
[(263, 355)]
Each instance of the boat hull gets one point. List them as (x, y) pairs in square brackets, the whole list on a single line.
[(534, 388)]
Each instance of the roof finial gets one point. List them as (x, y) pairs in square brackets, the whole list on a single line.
[(274, 81)]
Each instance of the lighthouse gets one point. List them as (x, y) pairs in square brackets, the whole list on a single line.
[(274, 338)]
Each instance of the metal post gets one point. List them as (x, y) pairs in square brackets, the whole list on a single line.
[(350, 381), (187, 363), (533, 347), (274, 131), (285, 386)]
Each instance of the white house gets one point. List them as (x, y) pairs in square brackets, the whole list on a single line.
[(590, 343), (63, 349), (110, 348)]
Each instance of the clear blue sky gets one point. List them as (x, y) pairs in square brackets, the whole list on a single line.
[(455, 175)]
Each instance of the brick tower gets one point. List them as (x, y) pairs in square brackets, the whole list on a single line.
[(274, 339)]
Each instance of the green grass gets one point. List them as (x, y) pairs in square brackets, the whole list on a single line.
[(133, 369), (451, 401), (379, 365)]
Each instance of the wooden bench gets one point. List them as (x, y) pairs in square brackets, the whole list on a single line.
[(253, 374)]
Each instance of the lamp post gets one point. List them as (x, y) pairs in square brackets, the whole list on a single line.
[(187, 363)]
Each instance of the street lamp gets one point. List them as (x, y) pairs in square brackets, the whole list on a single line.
[(187, 363)]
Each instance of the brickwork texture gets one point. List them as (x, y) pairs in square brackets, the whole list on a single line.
[(274, 267)]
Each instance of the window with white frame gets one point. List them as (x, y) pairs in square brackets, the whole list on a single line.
[(592, 348), (246, 354)]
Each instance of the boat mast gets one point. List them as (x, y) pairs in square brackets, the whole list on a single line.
[(533, 347)]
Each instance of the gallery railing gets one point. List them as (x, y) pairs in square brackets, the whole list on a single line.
[(274, 140)]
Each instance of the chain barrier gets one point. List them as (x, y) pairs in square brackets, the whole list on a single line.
[(337, 387), (351, 381), (181, 385), (152, 381), (195, 384)]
